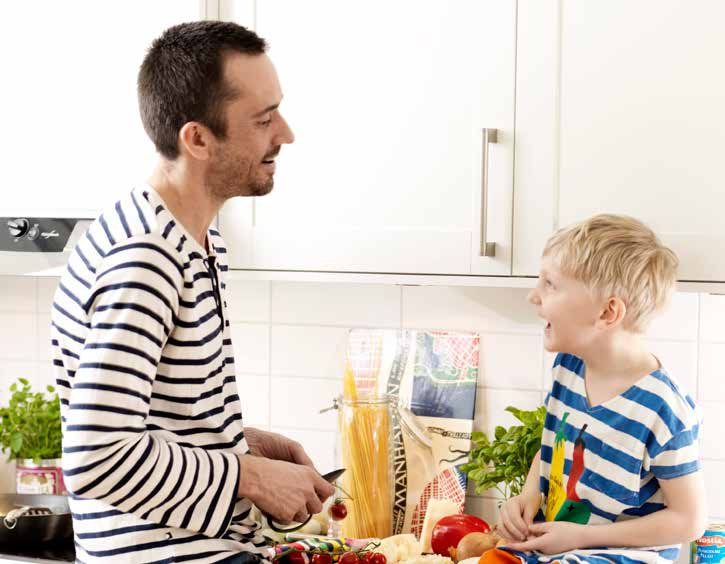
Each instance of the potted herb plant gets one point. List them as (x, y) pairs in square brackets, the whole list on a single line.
[(30, 432), (503, 463)]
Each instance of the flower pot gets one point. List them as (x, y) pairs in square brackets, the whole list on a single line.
[(46, 477)]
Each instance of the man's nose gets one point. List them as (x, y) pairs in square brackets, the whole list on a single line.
[(286, 135)]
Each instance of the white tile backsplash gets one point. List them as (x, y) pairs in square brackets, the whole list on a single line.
[(493, 310), (712, 318), (18, 336), (17, 294), (317, 352), (254, 396), (290, 341), (712, 444), (362, 305), (248, 301), (510, 361), (46, 286), (679, 321), (711, 384), (251, 347), (297, 403)]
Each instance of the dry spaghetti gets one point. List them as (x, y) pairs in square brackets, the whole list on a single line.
[(365, 436)]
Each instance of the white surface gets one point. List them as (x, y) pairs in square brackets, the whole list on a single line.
[(632, 122), (385, 172)]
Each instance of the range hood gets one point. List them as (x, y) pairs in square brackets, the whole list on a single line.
[(38, 246)]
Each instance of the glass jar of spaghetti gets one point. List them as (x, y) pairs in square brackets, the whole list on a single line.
[(366, 440)]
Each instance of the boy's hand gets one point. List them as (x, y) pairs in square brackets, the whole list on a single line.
[(552, 537), (517, 514)]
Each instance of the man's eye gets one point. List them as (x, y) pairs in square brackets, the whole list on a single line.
[(265, 123)]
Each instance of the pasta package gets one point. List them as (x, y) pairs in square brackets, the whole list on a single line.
[(419, 432)]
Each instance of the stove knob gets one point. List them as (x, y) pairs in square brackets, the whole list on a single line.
[(33, 233), (18, 227)]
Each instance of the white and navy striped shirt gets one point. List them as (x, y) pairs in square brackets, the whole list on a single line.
[(152, 422)]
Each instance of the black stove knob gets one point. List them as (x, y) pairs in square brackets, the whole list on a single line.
[(18, 227)]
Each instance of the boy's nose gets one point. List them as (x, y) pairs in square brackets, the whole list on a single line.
[(533, 297)]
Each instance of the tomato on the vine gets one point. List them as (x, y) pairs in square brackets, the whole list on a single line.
[(322, 558), (338, 510), (349, 558), (296, 558)]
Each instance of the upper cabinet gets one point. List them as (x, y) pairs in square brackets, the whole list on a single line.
[(620, 109), (73, 139), (394, 167)]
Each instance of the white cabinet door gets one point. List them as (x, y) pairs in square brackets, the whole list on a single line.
[(388, 101), (72, 136), (627, 117)]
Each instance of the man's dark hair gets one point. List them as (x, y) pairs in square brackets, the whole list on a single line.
[(182, 79)]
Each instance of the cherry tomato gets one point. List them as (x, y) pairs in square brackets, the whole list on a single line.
[(338, 511), (348, 558), (323, 558), (296, 558), (448, 531), (378, 558)]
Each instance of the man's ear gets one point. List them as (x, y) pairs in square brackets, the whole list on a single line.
[(195, 139), (612, 313)]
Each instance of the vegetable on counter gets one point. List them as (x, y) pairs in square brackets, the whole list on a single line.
[(473, 545), (449, 531)]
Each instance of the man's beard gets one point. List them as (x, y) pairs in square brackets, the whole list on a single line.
[(230, 176)]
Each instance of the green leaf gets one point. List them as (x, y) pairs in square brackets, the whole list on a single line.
[(16, 442)]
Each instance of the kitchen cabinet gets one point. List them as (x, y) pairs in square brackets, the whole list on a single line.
[(389, 102), (74, 140), (620, 109)]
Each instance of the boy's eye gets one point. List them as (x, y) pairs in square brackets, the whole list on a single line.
[(548, 282)]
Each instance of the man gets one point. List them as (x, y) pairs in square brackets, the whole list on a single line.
[(158, 464)]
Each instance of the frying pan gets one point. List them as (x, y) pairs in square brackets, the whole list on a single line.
[(31, 527)]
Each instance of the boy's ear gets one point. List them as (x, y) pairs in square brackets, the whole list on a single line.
[(613, 313)]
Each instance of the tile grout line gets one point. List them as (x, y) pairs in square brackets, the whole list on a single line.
[(697, 346), (269, 359)]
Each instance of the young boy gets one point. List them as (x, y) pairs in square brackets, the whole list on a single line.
[(618, 476)]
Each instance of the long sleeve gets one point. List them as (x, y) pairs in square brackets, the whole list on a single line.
[(109, 452)]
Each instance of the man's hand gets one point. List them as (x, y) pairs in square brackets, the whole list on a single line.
[(552, 537), (276, 446), (285, 490)]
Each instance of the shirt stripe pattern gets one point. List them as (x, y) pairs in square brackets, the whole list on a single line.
[(625, 446), (152, 422)]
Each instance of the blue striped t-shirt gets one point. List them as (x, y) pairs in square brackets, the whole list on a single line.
[(603, 463)]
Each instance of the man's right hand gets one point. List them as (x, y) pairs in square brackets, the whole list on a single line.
[(286, 491)]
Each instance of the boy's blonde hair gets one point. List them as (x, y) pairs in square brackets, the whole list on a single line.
[(617, 255)]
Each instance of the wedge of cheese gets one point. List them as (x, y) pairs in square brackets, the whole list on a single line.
[(437, 509), (399, 547)]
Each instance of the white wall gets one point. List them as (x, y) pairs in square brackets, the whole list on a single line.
[(290, 338)]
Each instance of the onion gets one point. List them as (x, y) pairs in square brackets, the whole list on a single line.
[(475, 544)]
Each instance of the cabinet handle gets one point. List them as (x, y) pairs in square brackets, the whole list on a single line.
[(488, 249)]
